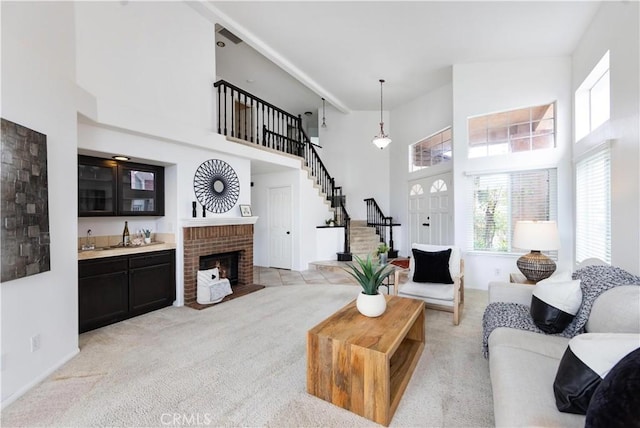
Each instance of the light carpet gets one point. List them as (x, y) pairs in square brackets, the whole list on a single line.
[(243, 363)]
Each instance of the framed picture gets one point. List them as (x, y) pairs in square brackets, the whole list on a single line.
[(245, 210)]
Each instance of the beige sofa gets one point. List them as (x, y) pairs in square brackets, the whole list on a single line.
[(523, 364)]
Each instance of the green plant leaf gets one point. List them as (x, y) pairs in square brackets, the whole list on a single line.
[(368, 273)]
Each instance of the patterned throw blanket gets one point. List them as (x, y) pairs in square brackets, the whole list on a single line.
[(594, 280)]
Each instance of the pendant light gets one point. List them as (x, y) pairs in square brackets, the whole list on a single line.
[(382, 140), (324, 122)]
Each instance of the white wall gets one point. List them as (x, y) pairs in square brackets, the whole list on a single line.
[(616, 28), (136, 55), (491, 87), (413, 122), (357, 165), (38, 90), (308, 208)]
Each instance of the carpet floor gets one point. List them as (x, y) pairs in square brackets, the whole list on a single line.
[(243, 363)]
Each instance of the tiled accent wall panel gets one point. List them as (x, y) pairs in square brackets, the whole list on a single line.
[(25, 202), (203, 241)]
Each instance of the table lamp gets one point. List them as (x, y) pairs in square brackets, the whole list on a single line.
[(536, 236)]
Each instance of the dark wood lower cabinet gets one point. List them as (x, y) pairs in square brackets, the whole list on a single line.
[(116, 288)]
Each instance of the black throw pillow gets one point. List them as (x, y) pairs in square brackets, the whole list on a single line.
[(616, 402), (432, 266)]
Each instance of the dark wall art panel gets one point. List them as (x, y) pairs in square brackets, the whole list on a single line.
[(25, 202)]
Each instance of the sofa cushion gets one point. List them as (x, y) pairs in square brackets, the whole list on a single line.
[(616, 402), (550, 346), (521, 381), (587, 360), (432, 266), (616, 311), (442, 292), (555, 303)]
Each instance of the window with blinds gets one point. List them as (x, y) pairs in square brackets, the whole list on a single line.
[(593, 207), (500, 200)]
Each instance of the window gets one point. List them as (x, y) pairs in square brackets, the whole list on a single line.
[(592, 102), (431, 151), (500, 200), (438, 186), (416, 190), (521, 130), (593, 207)]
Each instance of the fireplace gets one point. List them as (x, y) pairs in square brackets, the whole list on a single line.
[(200, 242), (227, 264)]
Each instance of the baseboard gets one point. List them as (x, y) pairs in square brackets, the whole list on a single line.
[(19, 393)]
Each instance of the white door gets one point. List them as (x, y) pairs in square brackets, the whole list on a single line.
[(280, 238), (430, 213)]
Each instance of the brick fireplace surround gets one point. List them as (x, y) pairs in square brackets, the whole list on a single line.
[(206, 240)]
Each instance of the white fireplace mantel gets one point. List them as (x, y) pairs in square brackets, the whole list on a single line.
[(217, 221)]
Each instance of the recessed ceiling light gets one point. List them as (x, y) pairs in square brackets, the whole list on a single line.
[(220, 44), (121, 158), (250, 80)]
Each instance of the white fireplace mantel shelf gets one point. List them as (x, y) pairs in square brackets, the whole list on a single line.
[(217, 221)]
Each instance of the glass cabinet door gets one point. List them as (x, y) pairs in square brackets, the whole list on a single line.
[(141, 189), (96, 187)]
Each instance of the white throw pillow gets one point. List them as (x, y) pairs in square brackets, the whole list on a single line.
[(206, 277)]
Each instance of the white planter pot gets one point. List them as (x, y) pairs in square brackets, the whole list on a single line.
[(371, 306)]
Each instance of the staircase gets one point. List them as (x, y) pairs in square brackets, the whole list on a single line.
[(246, 117), (364, 240)]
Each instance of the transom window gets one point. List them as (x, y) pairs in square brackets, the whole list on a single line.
[(433, 150), (500, 200), (512, 131), (416, 190), (438, 186), (592, 99)]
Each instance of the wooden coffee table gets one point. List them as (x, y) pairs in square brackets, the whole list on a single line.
[(364, 364)]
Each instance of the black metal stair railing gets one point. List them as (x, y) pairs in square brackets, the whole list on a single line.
[(244, 116), (334, 194), (383, 224)]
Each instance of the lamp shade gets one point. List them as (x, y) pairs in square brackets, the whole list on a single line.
[(536, 235), (381, 141)]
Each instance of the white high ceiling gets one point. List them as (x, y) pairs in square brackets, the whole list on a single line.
[(339, 50)]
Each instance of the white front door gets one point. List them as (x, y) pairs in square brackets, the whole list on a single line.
[(430, 213), (280, 238)]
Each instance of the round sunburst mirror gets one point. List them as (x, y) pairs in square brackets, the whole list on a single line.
[(216, 186)]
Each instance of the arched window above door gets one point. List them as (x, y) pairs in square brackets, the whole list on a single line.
[(416, 190), (439, 186)]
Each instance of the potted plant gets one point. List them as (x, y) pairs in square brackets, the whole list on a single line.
[(147, 236), (369, 275), (381, 252), (330, 222)]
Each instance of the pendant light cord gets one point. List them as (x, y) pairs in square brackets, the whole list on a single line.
[(381, 82)]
